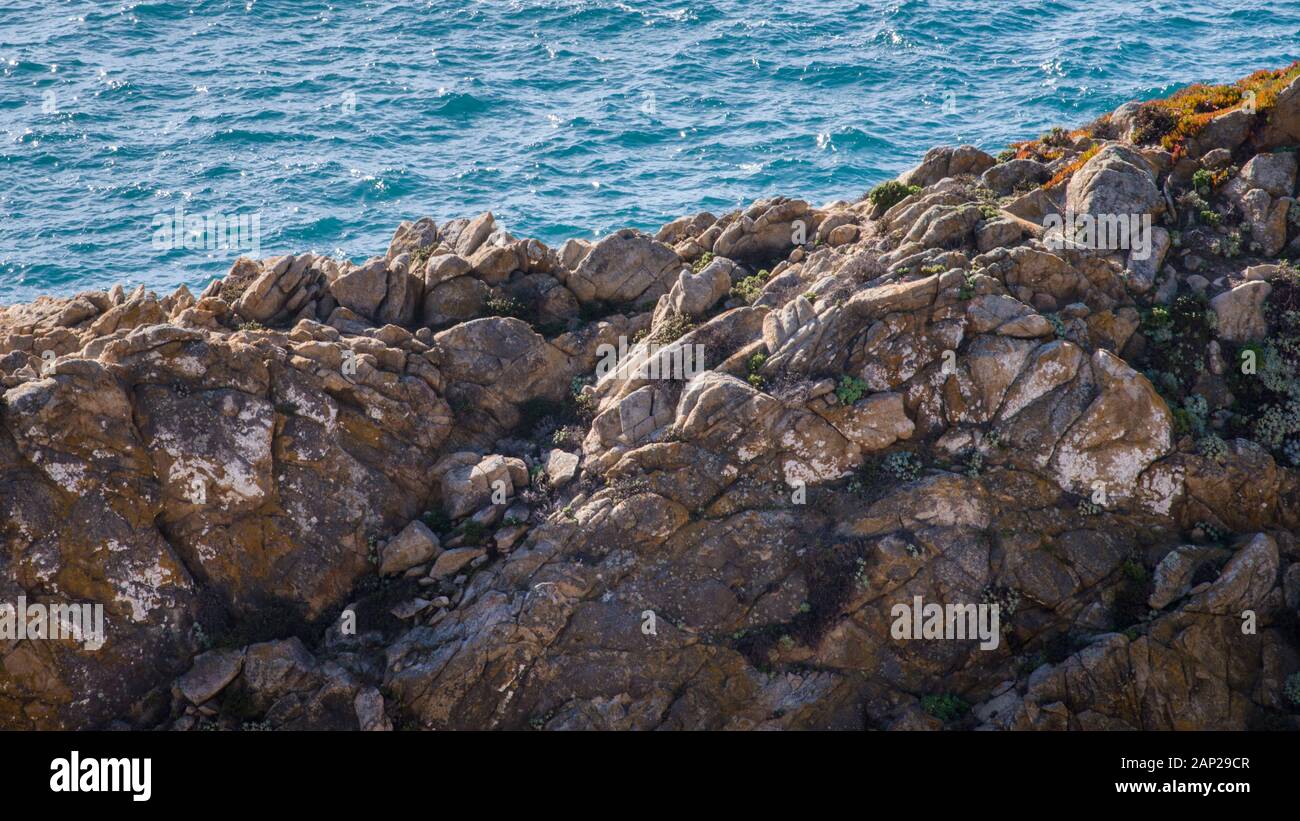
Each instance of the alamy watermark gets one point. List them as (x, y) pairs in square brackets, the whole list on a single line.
[(919, 620), (128, 775), (26, 621), (211, 232), (670, 361), (1101, 232)]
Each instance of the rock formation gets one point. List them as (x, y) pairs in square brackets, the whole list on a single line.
[(412, 492)]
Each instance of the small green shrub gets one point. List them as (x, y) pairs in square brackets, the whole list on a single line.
[(850, 390), (888, 194), (1178, 337), (670, 329), (967, 289), (505, 306), (1213, 447), (1006, 598), (1130, 605), (754, 365), (1210, 532), (1203, 182), (625, 487), (903, 465), (1191, 417), (1058, 324), (945, 707), (749, 288), (568, 437)]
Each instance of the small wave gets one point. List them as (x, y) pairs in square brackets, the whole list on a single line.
[(460, 106)]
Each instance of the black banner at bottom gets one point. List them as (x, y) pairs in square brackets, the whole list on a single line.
[(136, 772)]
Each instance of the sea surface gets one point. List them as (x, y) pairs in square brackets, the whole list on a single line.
[(323, 125)]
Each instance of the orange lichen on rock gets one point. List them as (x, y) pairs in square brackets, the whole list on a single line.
[(1074, 165), (1181, 116)]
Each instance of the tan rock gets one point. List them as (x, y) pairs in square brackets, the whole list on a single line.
[(415, 545)]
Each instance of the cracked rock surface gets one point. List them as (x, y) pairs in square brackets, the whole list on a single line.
[(682, 480)]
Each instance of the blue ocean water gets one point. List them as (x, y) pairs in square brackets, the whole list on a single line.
[(332, 122)]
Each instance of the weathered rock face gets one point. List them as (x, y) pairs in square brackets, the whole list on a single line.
[(1117, 180), (625, 267), (1161, 680), (449, 488), (767, 229), (939, 163)]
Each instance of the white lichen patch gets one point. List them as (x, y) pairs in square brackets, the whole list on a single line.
[(1160, 487), (69, 476), (140, 590)]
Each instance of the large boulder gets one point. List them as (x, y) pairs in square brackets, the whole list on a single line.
[(947, 161), (283, 288), (766, 230), (1116, 181), (1123, 430), (1240, 312), (625, 267), (694, 293)]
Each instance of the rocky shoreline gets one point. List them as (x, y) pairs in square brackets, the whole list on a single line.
[(410, 494)]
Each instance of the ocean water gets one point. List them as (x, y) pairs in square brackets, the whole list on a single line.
[(328, 123)]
